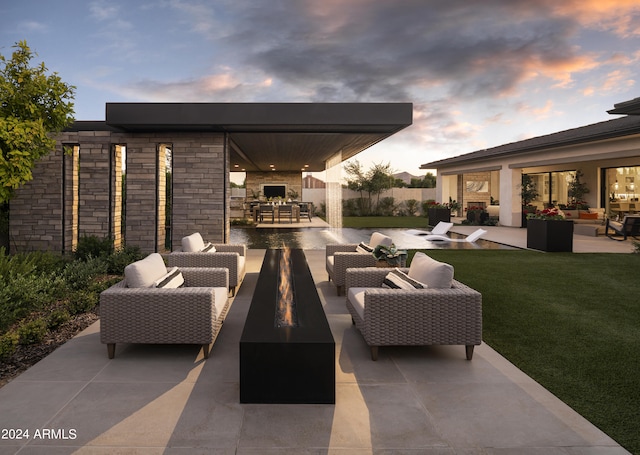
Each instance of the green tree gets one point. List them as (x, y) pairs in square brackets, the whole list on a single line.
[(356, 181), (372, 182), (428, 181), (379, 178), (32, 106), (576, 189)]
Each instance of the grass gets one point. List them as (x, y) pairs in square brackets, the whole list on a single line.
[(569, 321), (384, 221)]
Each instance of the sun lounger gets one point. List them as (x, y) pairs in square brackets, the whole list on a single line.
[(440, 229), (470, 238)]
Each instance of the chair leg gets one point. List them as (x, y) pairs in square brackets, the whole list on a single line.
[(205, 350), (374, 353), (111, 350), (469, 349), (340, 290)]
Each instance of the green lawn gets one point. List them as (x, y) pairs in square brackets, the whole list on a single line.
[(570, 321)]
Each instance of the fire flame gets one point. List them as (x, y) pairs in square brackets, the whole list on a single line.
[(285, 291)]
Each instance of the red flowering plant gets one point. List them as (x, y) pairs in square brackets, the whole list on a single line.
[(546, 214), (432, 204)]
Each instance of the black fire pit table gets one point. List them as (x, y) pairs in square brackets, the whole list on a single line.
[(286, 355)]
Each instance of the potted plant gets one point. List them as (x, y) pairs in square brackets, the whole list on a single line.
[(528, 193), (389, 256), (437, 212), (476, 215), (576, 190), (548, 230)]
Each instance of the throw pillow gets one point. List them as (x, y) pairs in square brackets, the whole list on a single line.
[(171, 280), (209, 248), (588, 216), (397, 279), (364, 248), (428, 271)]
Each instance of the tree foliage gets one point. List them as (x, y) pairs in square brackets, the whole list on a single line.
[(372, 182), (32, 106), (428, 181)]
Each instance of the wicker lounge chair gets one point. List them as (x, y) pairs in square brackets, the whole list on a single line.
[(192, 314), (230, 256), (340, 257), (403, 317)]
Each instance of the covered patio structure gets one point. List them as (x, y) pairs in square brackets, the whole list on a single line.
[(112, 180)]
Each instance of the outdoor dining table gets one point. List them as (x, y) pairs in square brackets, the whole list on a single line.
[(295, 209)]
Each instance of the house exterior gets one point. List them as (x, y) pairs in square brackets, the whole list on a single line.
[(152, 173), (607, 154)]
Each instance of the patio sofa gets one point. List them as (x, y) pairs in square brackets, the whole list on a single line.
[(159, 305), (340, 257), (442, 312), (196, 253), (587, 222)]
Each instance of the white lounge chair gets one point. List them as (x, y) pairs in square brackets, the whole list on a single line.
[(470, 238), (439, 229)]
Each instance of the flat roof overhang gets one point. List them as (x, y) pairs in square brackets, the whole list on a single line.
[(289, 136)]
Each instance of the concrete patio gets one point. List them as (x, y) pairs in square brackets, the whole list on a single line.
[(414, 400)]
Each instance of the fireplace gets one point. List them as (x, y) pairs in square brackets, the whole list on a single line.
[(287, 351)]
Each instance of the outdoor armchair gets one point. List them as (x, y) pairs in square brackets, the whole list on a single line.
[(340, 257), (229, 256), (191, 314), (406, 317), (630, 226)]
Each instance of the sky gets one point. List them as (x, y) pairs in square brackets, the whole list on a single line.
[(479, 73)]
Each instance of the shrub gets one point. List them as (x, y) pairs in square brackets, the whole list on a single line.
[(19, 264), (82, 301), (32, 332), (117, 261), (8, 343), (79, 274), (93, 246), (57, 317), (412, 206), (386, 207), (23, 294)]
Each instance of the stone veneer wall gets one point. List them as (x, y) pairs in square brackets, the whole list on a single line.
[(35, 213), (255, 179), (200, 187), (92, 198)]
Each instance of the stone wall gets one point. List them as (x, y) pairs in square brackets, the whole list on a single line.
[(61, 203), (254, 180)]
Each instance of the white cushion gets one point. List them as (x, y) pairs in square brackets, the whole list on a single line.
[(356, 297), (172, 280), (192, 243), (220, 296), (330, 261), (144, 273), (379, 239), (241, 266), (433, 273), (397, 279)]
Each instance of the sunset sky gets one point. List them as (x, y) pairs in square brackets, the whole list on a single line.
[(479, 73)]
